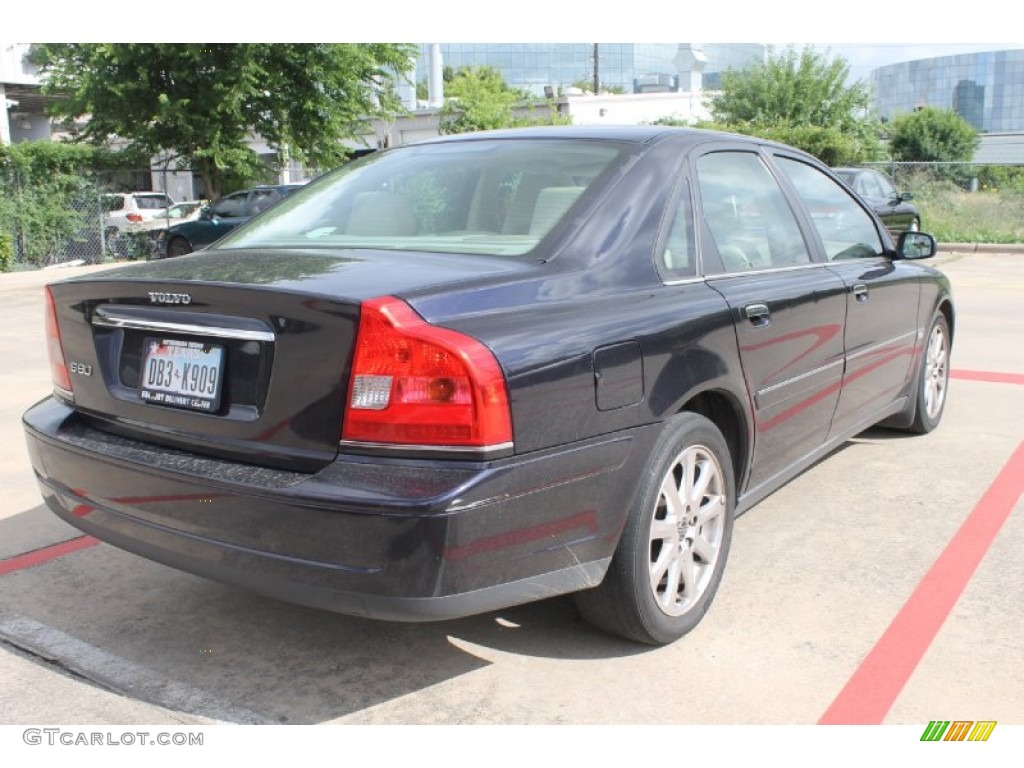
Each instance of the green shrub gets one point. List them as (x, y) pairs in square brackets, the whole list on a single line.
[(6, 252)]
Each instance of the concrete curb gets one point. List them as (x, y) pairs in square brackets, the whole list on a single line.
[(981, 247)]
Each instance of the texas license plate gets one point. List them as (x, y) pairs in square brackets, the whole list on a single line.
[(182, 374)]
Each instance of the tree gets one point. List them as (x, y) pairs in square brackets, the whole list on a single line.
[(479, 99), (932, 135), (50, 196), (202, 102), (803, 99), (587, 86)]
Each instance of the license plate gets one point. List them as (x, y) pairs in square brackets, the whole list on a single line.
[(182, 374)]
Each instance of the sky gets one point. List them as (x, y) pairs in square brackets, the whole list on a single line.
[(869, 33)]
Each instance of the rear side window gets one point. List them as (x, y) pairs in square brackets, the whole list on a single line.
[(678, 256), (151, 202), (747, 214), (846, 230)]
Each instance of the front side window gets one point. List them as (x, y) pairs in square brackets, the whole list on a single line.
[(885, 187), (747, 214), (230, 207), (846, 230), (263, 199), (498, 197)]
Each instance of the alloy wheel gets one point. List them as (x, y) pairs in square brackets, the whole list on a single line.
[(936, 372), (687, 530)]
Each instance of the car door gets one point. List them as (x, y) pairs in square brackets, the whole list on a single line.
[(788, 310), (881, 298)]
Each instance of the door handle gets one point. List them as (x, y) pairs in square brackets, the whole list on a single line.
[(860, 292), (758, 315)]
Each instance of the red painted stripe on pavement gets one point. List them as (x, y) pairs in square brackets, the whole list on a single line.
[(39, 556), (993, 377), (871, 692)]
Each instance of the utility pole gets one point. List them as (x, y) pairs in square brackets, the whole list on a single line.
[(597, 73)]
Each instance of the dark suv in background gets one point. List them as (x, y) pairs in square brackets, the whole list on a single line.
[(219, 219)]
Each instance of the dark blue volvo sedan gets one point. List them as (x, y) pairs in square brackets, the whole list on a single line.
[(488, 369)]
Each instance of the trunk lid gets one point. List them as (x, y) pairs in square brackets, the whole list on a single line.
[(242, 355)]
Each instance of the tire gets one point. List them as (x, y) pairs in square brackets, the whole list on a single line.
[(932, 378), (178, 246), (672, 553)]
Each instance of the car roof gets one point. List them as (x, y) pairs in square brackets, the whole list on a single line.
[(635, 134), (278, 186), (135, 194)]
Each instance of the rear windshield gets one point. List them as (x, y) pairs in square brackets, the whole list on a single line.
[(498, 197)]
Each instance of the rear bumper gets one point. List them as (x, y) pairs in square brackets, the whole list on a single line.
[(406, 540)]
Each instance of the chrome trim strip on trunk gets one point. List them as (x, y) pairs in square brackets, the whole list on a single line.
[(105, 318)]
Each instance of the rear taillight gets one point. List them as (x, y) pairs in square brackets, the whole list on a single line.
[(134, 217), (416, 384), (58, 368)]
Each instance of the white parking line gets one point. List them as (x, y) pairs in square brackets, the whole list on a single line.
[(118, 673)]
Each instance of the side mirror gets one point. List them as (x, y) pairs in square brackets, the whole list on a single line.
[(916, 245), (904, 196), (205, 214)]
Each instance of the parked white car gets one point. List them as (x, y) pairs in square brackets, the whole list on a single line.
[(174, 214), (127, 211)]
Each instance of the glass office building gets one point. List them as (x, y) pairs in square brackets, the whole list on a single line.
[(986, 89), (532, 66)]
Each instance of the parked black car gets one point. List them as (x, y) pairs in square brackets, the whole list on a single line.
[(488, 369), (893, 208), (219, 219)]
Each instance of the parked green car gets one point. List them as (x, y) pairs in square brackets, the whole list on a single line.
[(219, 219)]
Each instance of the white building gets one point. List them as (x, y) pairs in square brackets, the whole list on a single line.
[(22, 106)]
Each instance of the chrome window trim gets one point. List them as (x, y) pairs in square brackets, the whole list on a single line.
[(769, 270), (684, 281)]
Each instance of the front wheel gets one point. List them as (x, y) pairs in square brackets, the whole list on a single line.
[(933, 377), (675, 544)]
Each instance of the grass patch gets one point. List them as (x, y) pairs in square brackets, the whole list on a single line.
[(955, 216)]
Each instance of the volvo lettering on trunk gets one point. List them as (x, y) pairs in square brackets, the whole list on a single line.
[(159, 297)]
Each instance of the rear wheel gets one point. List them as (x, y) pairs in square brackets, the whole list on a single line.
[(179, 246), (933, 377), (674, 547)]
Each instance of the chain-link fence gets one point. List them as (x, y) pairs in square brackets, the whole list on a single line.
[(89, 218), (98, 217), (964, 202)]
